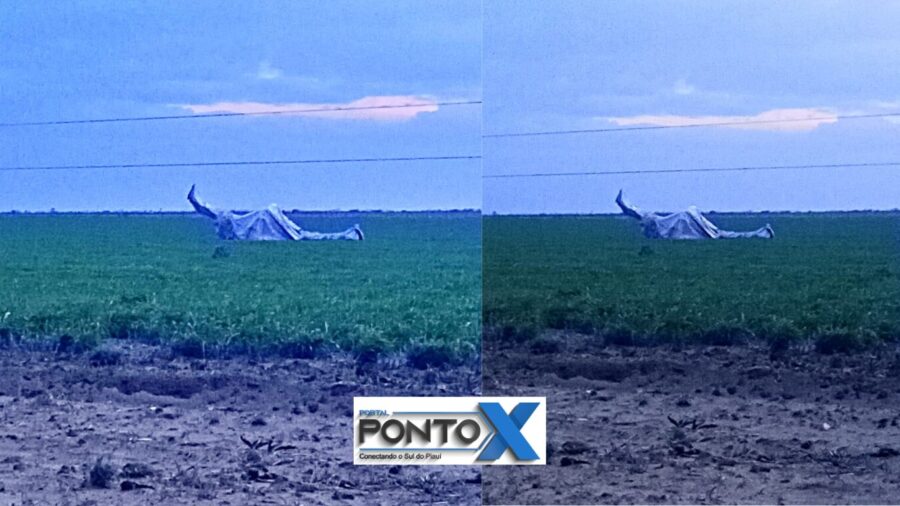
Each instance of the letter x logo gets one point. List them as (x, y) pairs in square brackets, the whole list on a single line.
[(508, 428)]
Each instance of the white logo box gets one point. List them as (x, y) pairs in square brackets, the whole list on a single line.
[(449, 430)]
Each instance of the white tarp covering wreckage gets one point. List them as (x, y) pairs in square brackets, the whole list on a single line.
[(269, 224), (687, 224)]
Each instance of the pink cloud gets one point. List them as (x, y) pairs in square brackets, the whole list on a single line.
[(390, 111), (783, 120)]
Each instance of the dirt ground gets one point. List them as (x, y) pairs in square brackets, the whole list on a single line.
[(702, 424), (137, 426)]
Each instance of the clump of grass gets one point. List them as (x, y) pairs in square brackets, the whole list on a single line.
[(121, 325), (724, 334), (545, 345), (304, 349), (423, 356), (779, 334), (779, 345), (189, 348), (776, 329), (66, 344), (831, 341), (368, 354), (620, 336), (137, 324), (101, 474), (6, 338)]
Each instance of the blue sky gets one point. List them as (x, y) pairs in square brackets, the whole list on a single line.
[(99, 59), (589, 64)]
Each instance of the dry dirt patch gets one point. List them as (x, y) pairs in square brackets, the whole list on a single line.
[(151, 429)]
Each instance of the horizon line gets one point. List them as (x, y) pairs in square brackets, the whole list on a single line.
[(288, 211), (764, 211), (451, 210)]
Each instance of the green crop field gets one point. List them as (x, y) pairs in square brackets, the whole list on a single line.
[(415, 281), (824, 275)]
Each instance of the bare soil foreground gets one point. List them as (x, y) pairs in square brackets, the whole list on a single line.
[(133, 425), (736, 424)]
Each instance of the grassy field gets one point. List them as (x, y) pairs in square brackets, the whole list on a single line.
[(824, 276), (415, 281)]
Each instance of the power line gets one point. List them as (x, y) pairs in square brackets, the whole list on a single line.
[(231, 114), (707, 169), (240, 163), (690, 125)]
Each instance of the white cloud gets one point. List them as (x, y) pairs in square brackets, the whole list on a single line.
[(375, 108), (681, 87), (267, 72), (782, 120)]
